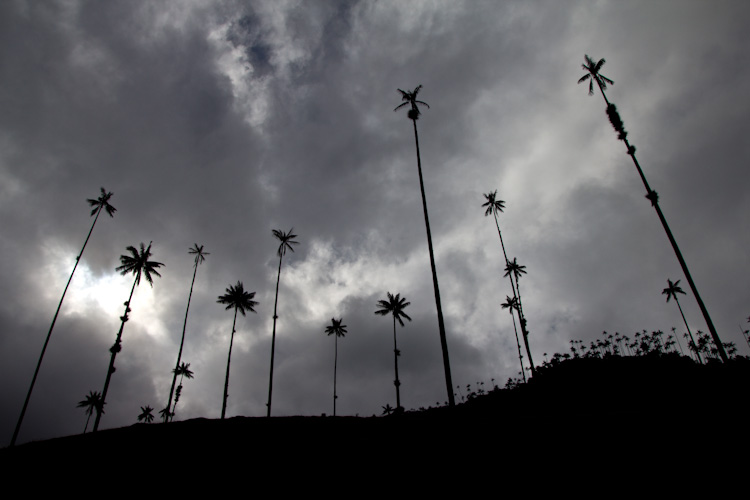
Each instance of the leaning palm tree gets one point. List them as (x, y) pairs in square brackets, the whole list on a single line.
[(594, 75), (410, 100), (138, 264), (395, 305), (183, 371), (515, 269), (200, 256), (286, 242), (671, 292), (235, 297), (513, 304), (93, 402), (146, 415), (99, 204), (337, 330)]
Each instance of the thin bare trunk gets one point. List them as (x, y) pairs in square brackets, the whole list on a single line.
[(182, 342), (273, 339), (396, 382), (229, 361)]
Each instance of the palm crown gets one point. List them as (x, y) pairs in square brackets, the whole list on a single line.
[(672, 290), (493, 205), (594, 75), (410, 99), (146, 414), (200, 254), (515, 268), (102, 203), (286, 239), (139, 265), (394, 305), (184, 370), (236, 297), (336, 328), (92, 402), (510, 303)]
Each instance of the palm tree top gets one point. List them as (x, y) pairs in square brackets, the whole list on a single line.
[(410, 99), (236, 297), (515, 268), (394, 305), (200, 254), (102, 203), (493, 205), (184, 370), (593, 69), (672, 290), (286, 239), (336, 327), (510, 302), (92, 401), (139, 265)]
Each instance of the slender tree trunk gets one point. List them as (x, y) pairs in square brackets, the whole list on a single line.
[(229, 361), (441, 325), (524, 331), (518, 343), (335, 363), (396, 382), (49, 333), (688, 329), (654, 198), (116, 347), (182, 342), (85, 428), (273, 340)]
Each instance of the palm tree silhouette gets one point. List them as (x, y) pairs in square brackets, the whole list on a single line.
[(200, 257), (513, 304), (410, 99), (651, 195), (146, 415), (183, 371), (286, 242), (515, 269), (92, 402), (235, 297), (138, 264), (671, 292), (337, 330), (395, 305), (99, 204)]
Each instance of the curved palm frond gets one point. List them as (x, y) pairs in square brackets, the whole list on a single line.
[(236, 297), (593, 74), (183, 370), (410, 99), (286, 239), (138, 264), (102, 203), (515, 268), (200, 254), (92, 402), (672, 290), (146, 414), (394, 305), (336, 328), (493, 205)]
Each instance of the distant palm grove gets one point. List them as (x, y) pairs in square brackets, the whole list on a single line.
[(137, 261)]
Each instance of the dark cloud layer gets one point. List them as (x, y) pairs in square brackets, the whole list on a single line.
[(216, 122)]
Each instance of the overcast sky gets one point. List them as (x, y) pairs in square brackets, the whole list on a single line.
[(216, 122)]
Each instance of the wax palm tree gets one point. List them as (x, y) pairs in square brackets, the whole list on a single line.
[(164, 412), (200, 257), (513, 304), (98, 204), (93, 402), (183, 371), (395, 306), (235, 297), (337, 330), (516, 270), (146, 415), (138, 264), (651, 195), (671, 292), (286, 241), (410, 100)]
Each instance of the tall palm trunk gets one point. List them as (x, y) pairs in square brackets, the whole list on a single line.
[(49, 333), (273, 339), (517, 296), (116, 347), (182, 342), (518, 343), (688, 329), (229, 361), (441, 325), (335, 363), (654, 198), (396, 382)]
